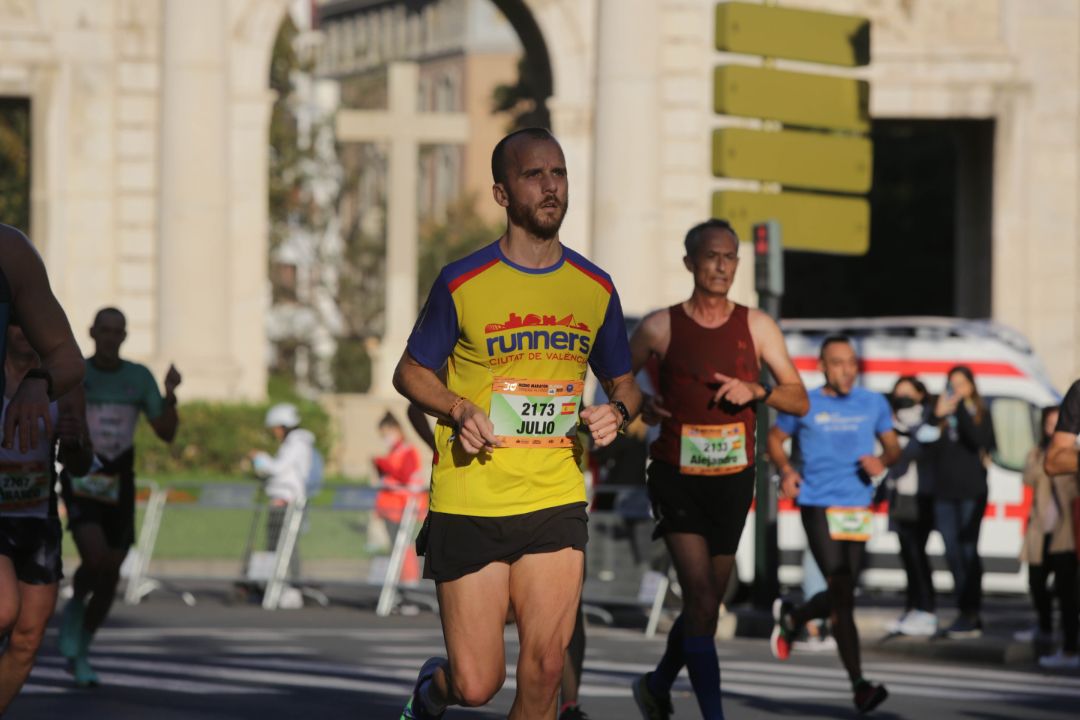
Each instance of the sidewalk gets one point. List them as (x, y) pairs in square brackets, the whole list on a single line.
[(1001, 618)]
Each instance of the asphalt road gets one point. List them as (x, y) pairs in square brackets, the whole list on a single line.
[(166, 661)]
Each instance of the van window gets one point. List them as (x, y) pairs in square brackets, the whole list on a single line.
[(1015, 424)]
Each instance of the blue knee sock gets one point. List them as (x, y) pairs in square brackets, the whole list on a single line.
[(704, 668), (663, 677)]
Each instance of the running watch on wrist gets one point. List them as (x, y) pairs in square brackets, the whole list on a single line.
[(768, 391), (621, 407), (41, 374)]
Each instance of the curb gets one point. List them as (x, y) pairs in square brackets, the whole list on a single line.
[(984, 650)]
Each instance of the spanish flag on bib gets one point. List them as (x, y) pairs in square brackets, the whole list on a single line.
[(517, 342)]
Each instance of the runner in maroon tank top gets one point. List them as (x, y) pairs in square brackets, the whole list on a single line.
[(695, 357), (701, 479)]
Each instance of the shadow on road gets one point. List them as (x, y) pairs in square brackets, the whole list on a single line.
[(790, 708)]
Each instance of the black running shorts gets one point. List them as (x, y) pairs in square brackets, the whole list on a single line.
[(34, 547), (456, 545), (117, 520), (714, 507)]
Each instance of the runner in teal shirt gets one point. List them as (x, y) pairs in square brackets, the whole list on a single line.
[(101, 505)]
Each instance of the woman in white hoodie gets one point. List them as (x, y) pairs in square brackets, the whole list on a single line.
[(288, 473)]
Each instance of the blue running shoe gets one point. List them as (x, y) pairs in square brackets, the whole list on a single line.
[(415, 710)]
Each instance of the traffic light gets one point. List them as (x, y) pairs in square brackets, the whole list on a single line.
[(768, 259)]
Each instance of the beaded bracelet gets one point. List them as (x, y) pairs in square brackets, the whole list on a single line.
[(454, 407)]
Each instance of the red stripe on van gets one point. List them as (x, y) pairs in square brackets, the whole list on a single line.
[(919, 367), (1022, 509)]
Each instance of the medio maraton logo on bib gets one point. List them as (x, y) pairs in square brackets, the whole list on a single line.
[(535, 413)]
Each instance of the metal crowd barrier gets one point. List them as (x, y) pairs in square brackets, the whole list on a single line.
[(625, 568), (150, 498), (223, 511)]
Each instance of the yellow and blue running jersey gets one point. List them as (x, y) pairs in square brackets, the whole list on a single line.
[(494, 324)]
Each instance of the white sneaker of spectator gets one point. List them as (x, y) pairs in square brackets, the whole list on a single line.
[(893, 626), (1060, 661), (1032, 634), (919, 623)]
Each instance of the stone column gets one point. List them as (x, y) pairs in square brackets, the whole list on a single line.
[(626, 192), (402, 231), (194, 268)]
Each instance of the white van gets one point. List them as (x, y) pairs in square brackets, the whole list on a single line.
[(1009, 377)]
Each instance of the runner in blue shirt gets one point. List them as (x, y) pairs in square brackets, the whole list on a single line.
[(834, 490)]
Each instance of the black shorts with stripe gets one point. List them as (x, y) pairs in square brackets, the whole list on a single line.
[(34, 547), (457, 545)]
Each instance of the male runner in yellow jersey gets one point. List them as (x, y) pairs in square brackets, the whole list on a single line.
[(516, 324)]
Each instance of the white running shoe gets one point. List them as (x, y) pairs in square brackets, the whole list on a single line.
[(1060, 661), (919, 623), (893, 626), (1032, 634), (817, 643)]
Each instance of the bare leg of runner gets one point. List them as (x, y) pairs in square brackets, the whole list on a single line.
[(9, 605), (545, 612), (9, 595), (473, 610), (98, 574), (704, 579), (37, 604)]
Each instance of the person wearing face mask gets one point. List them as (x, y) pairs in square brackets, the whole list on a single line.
[(398, 466), (910, 487), (960, 491)]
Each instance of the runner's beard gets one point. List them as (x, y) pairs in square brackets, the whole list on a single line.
[(529, 218)]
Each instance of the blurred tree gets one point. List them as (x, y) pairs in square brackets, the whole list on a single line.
[(298, 215), (15, 162), (288, 199), (521, 100), (443, 242), (352, 365)]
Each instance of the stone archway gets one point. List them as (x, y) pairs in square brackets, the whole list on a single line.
[(149, 173), (537, 58), (561, 35)]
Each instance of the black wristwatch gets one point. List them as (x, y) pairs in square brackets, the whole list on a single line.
[(621, 407), (768, 391), (41, 374)]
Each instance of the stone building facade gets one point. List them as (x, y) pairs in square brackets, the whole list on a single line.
[(148, 162), (647, 100), (149, 152)]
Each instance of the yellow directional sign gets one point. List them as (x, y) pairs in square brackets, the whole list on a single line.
[(814, 223), (793, 98), (792, 34), (812, 160)]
